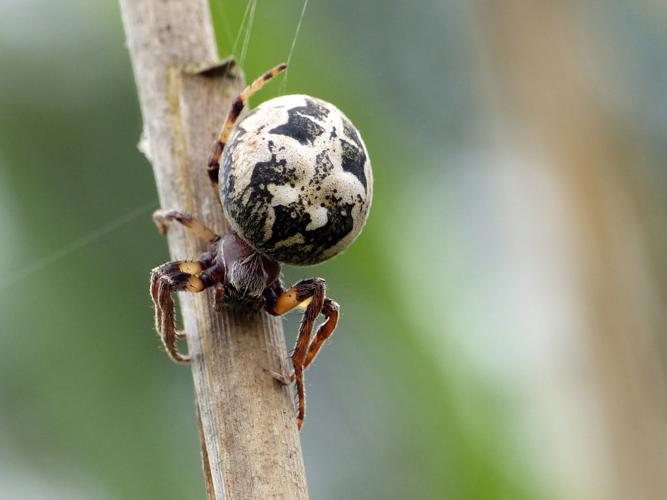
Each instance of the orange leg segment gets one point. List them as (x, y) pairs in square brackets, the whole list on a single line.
[(311, 294), (179, 275)]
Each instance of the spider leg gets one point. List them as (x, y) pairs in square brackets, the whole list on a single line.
[(179, 275), (308, 293), (330, 310), (162, 218), (237, 106)]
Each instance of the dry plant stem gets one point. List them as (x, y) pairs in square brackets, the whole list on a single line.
[(249, 437)]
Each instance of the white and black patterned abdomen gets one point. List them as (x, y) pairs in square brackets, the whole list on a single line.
[(296, 180)]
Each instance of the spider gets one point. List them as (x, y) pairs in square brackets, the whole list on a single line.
[(295, 184)]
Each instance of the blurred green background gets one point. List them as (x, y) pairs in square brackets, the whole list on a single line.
[(472, 360)]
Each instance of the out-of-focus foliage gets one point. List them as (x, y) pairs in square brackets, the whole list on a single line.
[(420, 394)]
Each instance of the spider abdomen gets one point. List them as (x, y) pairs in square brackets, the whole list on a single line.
[(296, 180)]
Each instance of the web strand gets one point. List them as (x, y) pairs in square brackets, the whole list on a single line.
[(77, 244), (238, 34), (291, 50), (38, 265), (223, 20), (243, 20), (246, 40)]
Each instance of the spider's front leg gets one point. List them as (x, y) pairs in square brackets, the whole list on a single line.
[(310, 294), (162, 218), (179, 275)]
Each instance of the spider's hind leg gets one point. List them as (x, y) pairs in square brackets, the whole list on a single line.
[(330, 310), (311, 295), (237, 106)]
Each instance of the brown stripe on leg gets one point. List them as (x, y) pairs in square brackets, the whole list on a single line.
[(164, 317), (311, 292), (301, 348), (330, 310), (180, 275), (165, 322), (237, 107)]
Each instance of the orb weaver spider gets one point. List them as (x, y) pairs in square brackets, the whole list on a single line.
[(295, 184)]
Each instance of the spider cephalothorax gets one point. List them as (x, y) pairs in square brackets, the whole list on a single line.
[(296, 187)]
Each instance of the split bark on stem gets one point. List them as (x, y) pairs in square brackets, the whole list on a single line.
[(250, 443)]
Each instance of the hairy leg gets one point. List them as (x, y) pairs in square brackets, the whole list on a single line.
[(162, 218), (330, 310), (179, 275), (309, 293)]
